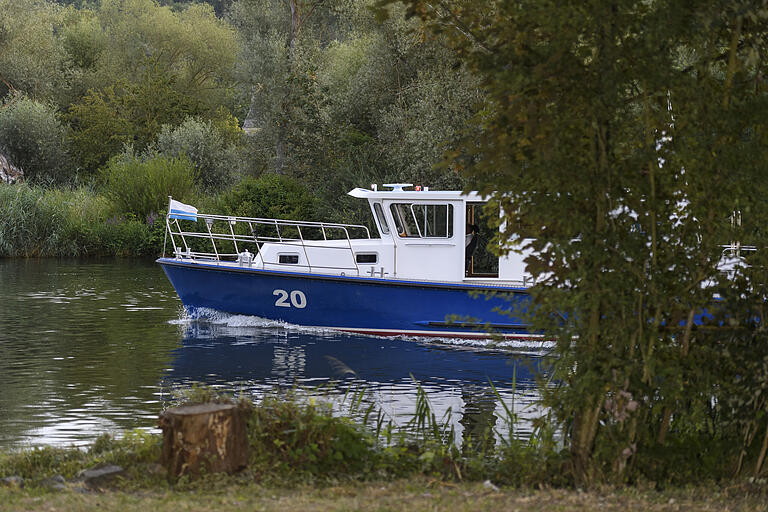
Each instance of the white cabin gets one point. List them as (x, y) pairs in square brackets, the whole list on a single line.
[(423, 235)]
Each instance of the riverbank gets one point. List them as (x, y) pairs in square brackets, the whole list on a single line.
[(304, 458), (232, 494)]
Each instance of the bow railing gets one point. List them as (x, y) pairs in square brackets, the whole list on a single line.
[(242, 240)]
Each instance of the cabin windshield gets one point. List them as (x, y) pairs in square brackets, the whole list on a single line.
[(380, 217), (414, 220)]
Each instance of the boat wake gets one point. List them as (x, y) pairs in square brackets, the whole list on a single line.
[(239, 323), (195, 318)]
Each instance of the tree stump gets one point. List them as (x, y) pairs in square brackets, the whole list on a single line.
[(210, 437)]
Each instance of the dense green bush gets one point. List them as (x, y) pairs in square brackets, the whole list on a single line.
[(215, 161), (141, 186), (269, 196), (31, 57), (43, 222), (287, 436), (34, 139), (105, 121)]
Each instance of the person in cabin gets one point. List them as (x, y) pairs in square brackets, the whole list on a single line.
[(470, 242)]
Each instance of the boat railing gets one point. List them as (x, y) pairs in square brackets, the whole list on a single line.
[(231, 239), (735, 250)]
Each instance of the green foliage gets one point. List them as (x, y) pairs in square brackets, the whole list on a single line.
[(622, 135), (32, 222), (134, 66), (201, 394), (141, 186), (269, 196), (34, 139), (37, 222), (84, 43), (41, 462), (293, 440), (379, 102), (191, 45), (31, 55), (121, 236), (136, 446), (215, 161), (286, 436), (104, 122)]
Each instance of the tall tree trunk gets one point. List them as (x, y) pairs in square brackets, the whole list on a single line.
[(761, 457), (582, 440), (290, 45)]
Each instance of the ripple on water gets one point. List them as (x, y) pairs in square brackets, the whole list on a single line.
[(103, 347)]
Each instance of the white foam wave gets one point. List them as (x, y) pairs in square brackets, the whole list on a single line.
[(239, 323), (532, 346), (219, 318)]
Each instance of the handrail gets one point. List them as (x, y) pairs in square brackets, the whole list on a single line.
[(734, 249), (280, 228)]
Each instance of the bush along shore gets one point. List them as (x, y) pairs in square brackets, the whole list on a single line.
[(303, 456), (126, 217)]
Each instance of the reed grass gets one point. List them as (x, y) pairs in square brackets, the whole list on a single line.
[(40, 222)]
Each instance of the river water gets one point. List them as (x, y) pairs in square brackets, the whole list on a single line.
[(94, 347)]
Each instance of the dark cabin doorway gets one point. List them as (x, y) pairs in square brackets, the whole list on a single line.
[(479, 261)]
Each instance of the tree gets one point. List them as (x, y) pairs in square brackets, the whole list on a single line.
[(141, 186), (31, 56), (344, 100), (139, 66), (32, 136), (193, 46), (126, 114), (216, 161), (621, 135)]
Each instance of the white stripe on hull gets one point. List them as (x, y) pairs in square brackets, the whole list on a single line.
[(436, 334)]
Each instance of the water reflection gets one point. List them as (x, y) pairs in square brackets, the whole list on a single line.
[(237, 353), (87, 348)]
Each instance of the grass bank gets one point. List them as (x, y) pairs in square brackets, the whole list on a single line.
[(419, 494)]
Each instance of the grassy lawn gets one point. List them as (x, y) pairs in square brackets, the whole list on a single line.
[(414, 494)]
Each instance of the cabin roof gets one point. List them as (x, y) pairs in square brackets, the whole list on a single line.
[(415, 195)]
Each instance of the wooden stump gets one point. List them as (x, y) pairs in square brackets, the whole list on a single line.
[(210, 437)]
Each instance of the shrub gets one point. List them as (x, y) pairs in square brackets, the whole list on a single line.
[(269, 196), (141, 186), (33, 138), (287, 436), (215, 161), (133, 450), (45, 222)]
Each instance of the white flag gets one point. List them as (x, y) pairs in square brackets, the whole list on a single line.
[(182, 211)]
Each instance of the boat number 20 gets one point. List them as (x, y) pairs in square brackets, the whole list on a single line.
[(297, 299)]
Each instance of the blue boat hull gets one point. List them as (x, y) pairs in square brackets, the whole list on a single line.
[(355, 304)]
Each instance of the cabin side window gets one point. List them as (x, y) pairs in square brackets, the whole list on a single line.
[(414, 220), (291, 259), (366, 257), (380, 217)]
